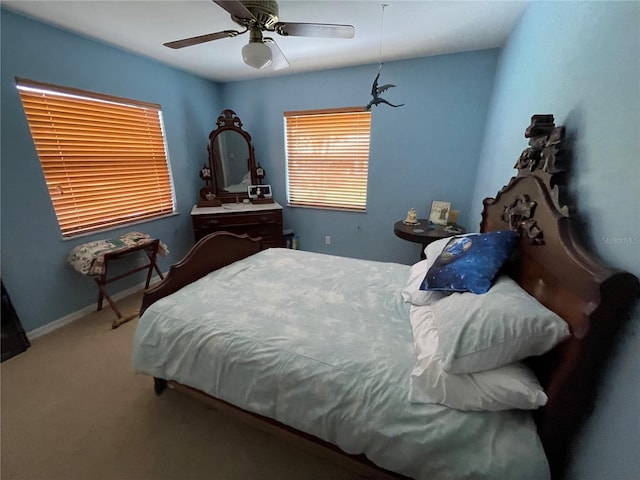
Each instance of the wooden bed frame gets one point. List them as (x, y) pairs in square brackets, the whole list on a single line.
[(550, 264)]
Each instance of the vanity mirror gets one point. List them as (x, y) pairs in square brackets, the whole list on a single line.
[(231, 160)]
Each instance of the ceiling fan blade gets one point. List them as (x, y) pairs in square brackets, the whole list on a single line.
[(187, 42), (236, 9), (278, 60), (329, 30)]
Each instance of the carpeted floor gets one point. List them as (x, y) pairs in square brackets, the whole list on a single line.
[(72, 409)]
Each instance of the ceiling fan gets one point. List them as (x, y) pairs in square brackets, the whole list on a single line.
[(256, 17)]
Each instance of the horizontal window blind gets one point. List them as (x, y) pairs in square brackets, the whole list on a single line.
[(103, 158), (328, 157)]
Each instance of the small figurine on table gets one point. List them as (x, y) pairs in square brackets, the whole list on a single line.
[(412, 217)]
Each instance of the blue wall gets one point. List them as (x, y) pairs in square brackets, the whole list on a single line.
[(577, 60), (42, 286), (581, 62), (426, 150)]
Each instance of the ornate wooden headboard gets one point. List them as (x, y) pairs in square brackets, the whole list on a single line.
[(552, 265)]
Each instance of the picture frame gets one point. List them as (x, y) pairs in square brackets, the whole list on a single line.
[(259, 191), (439, 214)]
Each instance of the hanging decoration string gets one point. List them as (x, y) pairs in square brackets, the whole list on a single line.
[(384, 5), (375, 89)]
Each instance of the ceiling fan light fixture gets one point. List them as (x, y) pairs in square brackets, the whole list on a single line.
[(256, 17), (257, 55)]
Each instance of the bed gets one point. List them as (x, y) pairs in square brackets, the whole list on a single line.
[(337, 352)]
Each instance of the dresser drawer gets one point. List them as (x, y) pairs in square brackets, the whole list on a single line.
[(266, 232), (266, 224), (253, 218)]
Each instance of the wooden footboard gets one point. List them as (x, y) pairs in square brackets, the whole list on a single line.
[(209, 254)]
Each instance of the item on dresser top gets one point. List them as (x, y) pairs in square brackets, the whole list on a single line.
[(211, 201), (259, 191)]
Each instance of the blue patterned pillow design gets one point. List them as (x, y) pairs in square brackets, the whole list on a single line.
[(470, 263)]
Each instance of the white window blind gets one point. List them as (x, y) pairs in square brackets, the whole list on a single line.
[(103, 158), (328, 157)]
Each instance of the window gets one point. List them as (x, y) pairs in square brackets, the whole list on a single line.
[(104, 158), (328, 158)]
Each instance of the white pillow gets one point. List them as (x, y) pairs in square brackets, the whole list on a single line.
[(411, 292), (504, 325), (432, 250), (510, 387)]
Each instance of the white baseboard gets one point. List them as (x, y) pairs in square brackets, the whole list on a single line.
[(72, 317)]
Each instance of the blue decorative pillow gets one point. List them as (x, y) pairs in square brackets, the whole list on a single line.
[(470, 263)]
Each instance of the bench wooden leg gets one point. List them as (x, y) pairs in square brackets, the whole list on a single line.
[(152, 262), (105, 295), (120, 320), (100, 291)]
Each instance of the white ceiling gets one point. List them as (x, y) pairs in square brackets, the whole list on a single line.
[(408, 29)]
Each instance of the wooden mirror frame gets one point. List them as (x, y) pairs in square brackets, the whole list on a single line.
[(228, 121)]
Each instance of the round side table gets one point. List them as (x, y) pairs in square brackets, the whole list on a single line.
[(424, 232)]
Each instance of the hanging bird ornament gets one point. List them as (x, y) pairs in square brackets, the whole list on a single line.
[(376, 91)]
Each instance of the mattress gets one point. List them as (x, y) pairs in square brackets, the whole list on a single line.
[(324, 344)]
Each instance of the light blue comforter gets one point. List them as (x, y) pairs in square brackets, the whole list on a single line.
[(324, 344)]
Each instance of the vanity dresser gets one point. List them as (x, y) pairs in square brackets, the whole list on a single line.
[(263, 220), (224, 203)]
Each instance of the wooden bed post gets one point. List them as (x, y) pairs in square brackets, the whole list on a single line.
[(159, 385)]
